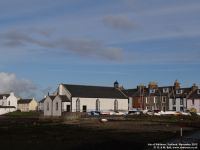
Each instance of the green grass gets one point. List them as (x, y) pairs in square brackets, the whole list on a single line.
[(23, 114)]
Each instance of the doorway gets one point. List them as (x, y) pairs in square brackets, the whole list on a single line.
[(68, 108), (84, 108)]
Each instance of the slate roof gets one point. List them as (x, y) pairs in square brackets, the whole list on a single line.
[(129, 92), (184, 94), (94, 91), (52, 97), (194, 95), (158, 92), (24, 101), (42, 101), (64, 98), (2, 95)]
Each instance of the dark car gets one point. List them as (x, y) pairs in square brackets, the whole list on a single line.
[(134, 112), (94, 113)]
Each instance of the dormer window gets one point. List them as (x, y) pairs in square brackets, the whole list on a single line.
[(165, 90), (198, 91), (152, 91), (179, 91)]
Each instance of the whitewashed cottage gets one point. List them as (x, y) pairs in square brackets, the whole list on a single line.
[(8, 103), (55, 105)]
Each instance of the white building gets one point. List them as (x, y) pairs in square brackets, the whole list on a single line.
[(193, 102), (83, 98), (41, 104), (8, 103), (55, 105), (178, 100), (178, 97)]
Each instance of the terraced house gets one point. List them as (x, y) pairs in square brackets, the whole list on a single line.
[(153, 97), (193, 101)]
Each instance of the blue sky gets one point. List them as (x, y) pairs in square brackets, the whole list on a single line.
[(95, 42)]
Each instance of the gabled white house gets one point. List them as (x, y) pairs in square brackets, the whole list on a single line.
[(83, 98), (48, 105), (8, 103)]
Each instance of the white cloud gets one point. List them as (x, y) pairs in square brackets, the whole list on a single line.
[(10, 83), (81, 47)]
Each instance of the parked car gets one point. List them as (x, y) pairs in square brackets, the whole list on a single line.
[(150, 112), (118, 113), (106, 113), (94, 113), (134, 112)]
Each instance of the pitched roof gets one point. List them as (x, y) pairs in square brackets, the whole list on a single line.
[(130, 92), (194, 95), (24, 101), (2, 95), (184, 94), (94, 91), (52, 97), (64, 98), (42, 101)]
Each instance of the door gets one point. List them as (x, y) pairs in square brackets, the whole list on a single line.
[(84, 108), (68, 108)]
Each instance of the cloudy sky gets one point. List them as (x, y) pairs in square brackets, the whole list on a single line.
[(95, 42)]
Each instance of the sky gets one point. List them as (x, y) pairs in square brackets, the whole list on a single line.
[(95, 42)]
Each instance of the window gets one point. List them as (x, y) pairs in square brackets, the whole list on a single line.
[(193, 102), (152, 91), (164, 98), (181, 109), (97, 105), (165, 90), (174, 101), (56, 105), (78, 105), (8, 103), (47, 105), (115, 105), (174, 108), (181, 101), (179, 91)]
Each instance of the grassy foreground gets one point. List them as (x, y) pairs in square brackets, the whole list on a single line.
[(40, 133)]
